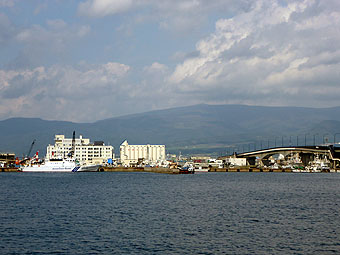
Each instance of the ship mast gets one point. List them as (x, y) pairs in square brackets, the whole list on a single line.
[(73, 144)]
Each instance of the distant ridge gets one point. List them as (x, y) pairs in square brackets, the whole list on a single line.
[(193, 129)]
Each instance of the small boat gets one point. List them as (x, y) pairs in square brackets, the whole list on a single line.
[(187, 169), (201, 169), (319, 164)]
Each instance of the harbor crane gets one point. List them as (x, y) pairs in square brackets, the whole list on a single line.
[(25, 159), (30, 150)]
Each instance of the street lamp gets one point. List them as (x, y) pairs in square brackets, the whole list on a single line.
[(282, 140), (335, 136), (306, 139), (314, 138), (325, 135)]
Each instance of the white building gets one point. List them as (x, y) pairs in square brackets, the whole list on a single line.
[(133, 154), (232, 161), (85, 152)]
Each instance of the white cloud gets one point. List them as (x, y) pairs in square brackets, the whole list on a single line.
[(101, 8), (156, 68), (272, 52), (116, 69)]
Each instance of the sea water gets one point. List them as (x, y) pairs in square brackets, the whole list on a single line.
[(146, 213)]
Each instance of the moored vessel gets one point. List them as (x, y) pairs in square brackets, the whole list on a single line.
[(90, 168), (53, 165)]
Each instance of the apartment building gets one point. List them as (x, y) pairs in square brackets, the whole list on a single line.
[(85, 151)]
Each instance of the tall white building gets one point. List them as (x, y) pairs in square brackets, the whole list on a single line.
[(131, 154), (85, 151)]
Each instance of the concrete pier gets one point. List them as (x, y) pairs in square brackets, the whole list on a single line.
[(161, 170)]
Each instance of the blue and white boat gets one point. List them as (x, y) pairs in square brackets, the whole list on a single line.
[(52, 165), (59, 165)]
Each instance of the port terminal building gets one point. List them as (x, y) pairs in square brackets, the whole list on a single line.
[(138, 154), (85, 152), (7, 159)]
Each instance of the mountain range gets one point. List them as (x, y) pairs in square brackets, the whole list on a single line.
[(198, 129)]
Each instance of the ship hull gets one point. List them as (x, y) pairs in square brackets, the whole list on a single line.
[(89, 168)]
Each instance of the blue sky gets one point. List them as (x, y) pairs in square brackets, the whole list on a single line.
[(88, 60)]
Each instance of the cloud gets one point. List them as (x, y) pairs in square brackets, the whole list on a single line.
[(101, 8), (51, 42), (264, 52), (156, 68), (188, 16), (57, 32), (51, 92), (272, 52), (173, 15), (56, 24)]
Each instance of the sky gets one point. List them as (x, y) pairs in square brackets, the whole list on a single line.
[(88, 60)]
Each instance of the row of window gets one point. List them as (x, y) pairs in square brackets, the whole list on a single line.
[(86, 147), (84, 154)]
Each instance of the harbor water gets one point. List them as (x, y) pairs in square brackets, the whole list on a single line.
[(147, 213)]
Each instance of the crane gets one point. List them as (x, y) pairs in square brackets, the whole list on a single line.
[(25, 159), (30, 150)]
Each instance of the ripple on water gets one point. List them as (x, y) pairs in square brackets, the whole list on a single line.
[(137, 213)]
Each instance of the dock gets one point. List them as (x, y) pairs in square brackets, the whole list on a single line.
[(9, 169), (161, 170), (166, 170)]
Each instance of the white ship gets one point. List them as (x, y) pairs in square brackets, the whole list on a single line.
[(60, 165), (53, 165)]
